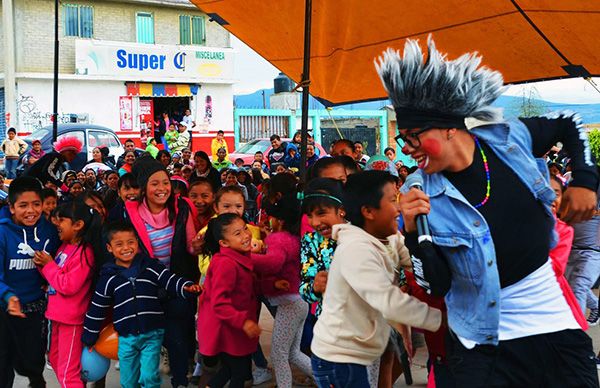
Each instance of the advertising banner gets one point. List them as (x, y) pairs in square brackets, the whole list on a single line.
[(125, 112), (94, 57)]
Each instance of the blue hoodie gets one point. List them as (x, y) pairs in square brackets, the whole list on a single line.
[(18, 275)]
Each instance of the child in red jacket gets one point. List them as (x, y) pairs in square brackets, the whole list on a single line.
[(227, 308)]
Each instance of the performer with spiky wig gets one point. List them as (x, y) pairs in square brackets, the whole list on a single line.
[(487, 196), (49, 167)]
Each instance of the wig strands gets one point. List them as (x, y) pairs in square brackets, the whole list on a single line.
[(460, 87)]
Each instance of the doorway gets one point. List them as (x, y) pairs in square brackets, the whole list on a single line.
[(174, 106)]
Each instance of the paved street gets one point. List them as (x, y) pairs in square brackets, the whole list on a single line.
[(418, 369)]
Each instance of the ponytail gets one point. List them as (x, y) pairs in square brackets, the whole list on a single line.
[(90, 234), (214, 232)]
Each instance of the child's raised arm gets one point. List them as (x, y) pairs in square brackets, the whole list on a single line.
[(175, 285), (70, 278), (368, 279)]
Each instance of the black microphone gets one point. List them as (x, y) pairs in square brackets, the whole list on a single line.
[(429, 265), (423, 232)]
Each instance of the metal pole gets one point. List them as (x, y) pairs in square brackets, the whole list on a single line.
[(305, 87), (55, 104)]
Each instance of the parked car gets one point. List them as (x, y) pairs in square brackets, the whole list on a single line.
[(247, 151), (91, 136)]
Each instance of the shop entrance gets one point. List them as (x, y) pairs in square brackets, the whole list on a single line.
[(174, 106)]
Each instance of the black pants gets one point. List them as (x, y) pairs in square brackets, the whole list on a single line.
[(22, 348), (234, 369), (562, 359), (180, 338)]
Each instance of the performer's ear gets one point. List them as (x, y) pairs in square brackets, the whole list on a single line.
[(450, 133)]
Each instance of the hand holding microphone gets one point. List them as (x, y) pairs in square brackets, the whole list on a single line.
[(414, 203), (429, 265)]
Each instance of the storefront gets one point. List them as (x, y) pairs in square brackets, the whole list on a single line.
[(126, 86)]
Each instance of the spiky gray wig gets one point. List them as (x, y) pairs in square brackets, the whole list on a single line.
[(438, 92)]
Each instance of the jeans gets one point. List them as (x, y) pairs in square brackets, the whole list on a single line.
[(139, 356), (180, 338), (583, 268), (10, 165), (339, 375)]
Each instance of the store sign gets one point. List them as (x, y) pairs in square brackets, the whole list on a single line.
[(131, 59)]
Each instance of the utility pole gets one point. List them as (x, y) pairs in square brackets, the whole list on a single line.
[(10, 93), (55, 103)]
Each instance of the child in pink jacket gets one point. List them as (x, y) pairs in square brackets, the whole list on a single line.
[(70, 276), (282, 261)]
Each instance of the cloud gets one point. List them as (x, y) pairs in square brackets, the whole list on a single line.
[(252, 72), (566, 91)]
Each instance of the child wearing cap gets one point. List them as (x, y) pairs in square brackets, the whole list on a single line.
[(35, 153), (151, 148), (13, 147)]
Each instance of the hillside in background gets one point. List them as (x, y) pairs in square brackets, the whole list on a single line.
[(512, 105)]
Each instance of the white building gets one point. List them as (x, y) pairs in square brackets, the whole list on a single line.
[(122, 63)]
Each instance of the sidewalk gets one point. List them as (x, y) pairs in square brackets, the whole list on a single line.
[(419, 371)]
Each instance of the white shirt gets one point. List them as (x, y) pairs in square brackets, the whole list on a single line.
[(534, 305)]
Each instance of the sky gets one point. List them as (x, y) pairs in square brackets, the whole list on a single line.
[(254, 73)]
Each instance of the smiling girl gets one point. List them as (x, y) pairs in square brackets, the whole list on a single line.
[(165, 224), (323, 206), (70, 276), (228, 325)]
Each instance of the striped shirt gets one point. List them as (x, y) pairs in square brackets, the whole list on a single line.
[(161, 240)]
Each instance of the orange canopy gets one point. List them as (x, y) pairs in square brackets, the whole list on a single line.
[(527, 40)]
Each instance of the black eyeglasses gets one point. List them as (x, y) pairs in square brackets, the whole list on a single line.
[(411, 138)]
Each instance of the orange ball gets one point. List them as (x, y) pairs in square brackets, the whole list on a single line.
[(108, 343)]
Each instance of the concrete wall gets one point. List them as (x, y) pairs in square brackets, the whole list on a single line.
[(103, 107), (115, 21)]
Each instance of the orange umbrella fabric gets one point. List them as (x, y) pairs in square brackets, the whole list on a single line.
[(527, 40)]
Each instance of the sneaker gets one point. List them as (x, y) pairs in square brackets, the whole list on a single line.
[(117, 366), (164, 362), (195, 379), (260, 376), (594, 318)]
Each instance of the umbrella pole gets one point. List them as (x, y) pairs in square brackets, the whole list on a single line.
[(305, 85)]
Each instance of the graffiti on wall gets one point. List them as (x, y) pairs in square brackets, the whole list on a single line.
[(32, 119)]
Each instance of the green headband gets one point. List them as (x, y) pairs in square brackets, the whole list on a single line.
[(324, 196)]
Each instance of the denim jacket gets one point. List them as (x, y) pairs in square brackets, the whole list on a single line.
[(463, 235)]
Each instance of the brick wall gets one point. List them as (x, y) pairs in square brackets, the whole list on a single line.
[(34, 25)]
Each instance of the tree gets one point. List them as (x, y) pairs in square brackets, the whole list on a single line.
[(530, 104), (594, 136)]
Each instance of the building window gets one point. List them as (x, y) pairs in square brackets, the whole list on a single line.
[(79, 20), (145, 27), (191, 30)]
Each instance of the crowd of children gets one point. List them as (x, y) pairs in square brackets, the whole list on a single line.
[(178, 253)]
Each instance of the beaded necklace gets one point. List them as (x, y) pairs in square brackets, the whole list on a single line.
[(487, 174)]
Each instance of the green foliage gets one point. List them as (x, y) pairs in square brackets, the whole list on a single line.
[(530, 104), (594, 136)]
